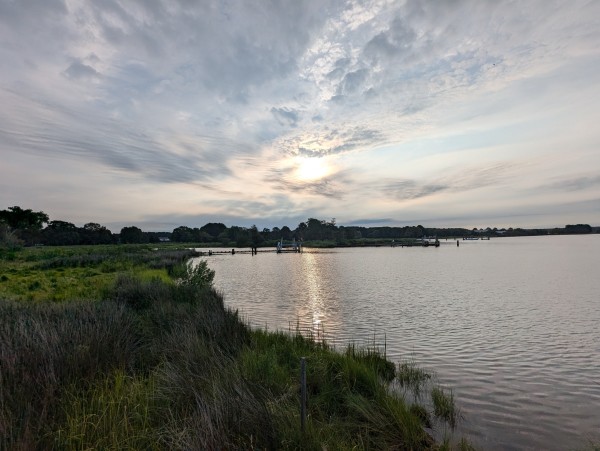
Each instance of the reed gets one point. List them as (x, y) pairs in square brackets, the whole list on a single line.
[(444, 406), (412, 377), (47, 347)]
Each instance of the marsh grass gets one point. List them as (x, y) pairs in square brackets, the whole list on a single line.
[(349, 402), (47, 347), (114, 413), (412, 377), (83, 272), (444, 406)]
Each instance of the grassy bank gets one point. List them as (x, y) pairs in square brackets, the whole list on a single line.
[(142, 362)]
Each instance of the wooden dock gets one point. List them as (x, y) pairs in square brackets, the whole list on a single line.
[(418, 242), (294, 246)]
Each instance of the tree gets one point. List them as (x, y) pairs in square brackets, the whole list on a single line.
[(20, 219), (182, 234), (132, 235), (93, 233), (61, 233), (578, 228), (255, 236), (286, 233), (214, 229)]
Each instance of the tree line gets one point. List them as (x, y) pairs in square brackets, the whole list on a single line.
[(20, 226)]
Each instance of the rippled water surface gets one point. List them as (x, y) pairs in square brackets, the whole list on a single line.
[(511, 324)]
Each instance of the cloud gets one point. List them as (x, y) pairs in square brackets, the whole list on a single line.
[(575, 184), (78, 70), (328, 187), (184, 94), (370, 222), (467, 179), (285, 116), (409, 189), (353, 81), (334, 141), (394, 42)]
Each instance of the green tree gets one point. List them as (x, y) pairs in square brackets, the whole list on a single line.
[(93, 233), (286, 233), (214, 229), (61, 233), (182, 234), (578, 228), (20, 219), (255, 236), (132, 234)]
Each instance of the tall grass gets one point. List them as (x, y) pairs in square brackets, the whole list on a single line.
[(46, 348), (113, 413), (444, 406)]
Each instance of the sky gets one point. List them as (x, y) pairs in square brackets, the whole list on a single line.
[(161, 113)]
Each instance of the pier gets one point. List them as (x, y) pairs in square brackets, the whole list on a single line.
[(419, 242), (294, 246), (282, 246)]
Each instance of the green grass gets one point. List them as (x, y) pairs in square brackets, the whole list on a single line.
[(444, 406), (412, 377), (114, 413), (82, 272)]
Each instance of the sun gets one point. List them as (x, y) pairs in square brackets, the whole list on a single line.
[(310, 169)]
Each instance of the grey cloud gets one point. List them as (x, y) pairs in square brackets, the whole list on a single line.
[(340, 68), (325, 188), (338, 98), (282, 212), (369, 222), (54, 130), (353, 81), (475, 177), (78, 70), (409, 189), (575, 184), (458, 181), (285, 116), (394, 42)]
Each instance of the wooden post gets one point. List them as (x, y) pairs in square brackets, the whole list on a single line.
[(302, 393)]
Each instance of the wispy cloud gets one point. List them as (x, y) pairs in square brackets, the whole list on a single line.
[(575, 184)]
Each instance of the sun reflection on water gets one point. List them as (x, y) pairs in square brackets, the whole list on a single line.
[(315, 313)]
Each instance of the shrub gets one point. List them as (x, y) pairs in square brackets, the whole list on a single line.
[(8, 238), (199, 276)]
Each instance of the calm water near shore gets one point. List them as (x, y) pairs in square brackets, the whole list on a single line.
[(511, 324)]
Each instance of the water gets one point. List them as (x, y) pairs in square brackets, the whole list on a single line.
[(511, 324)]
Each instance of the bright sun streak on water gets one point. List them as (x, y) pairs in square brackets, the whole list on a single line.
[(312, 169)]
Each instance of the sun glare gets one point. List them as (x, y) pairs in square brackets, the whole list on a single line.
[(312, 169)]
